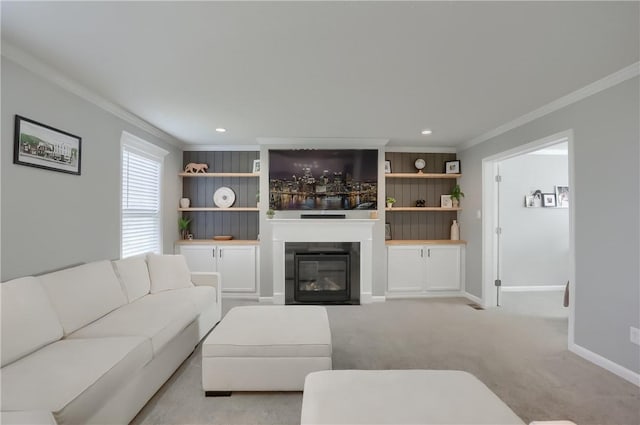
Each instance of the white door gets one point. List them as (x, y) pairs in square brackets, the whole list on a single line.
[(200, 258), (443, 268), (237, 267), (405, 268)]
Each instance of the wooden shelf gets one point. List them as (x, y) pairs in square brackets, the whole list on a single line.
[(236, 209), (219, 174), (422, 176), (424, 242), (215, 242), (401, 209)]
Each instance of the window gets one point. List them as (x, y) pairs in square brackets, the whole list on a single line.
[(141, 225)]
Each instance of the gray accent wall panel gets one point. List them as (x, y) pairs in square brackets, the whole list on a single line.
[(419, 225), (200, 190)]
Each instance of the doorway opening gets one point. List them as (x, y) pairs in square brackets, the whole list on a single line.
[(528, 233)]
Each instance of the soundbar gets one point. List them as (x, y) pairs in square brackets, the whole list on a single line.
[(323, 216)]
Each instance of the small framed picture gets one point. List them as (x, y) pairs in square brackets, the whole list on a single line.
[(256, 166), (38, 145), (562, 196), (387, 167), (528, 201), (387, 231), (452, 167), (549, 200), (445, 201)]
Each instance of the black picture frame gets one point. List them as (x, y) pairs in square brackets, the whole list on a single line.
[(549, 200), (387, 167), (42, 146), (387, 231), (452, 167)]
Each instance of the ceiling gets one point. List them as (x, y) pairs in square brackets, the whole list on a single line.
[(382, 70)]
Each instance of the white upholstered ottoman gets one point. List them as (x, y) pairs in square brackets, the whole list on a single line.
[(401, 397), (266, 348)]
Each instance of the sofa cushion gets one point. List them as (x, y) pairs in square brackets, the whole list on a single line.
[(202, 297), (72, 376), (271, 331), (157, 317), (168, 272), (29, 321), (134, 276)]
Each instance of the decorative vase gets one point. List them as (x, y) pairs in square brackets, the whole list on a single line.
[(455, 231), (389, 205), (455, 202), (185, 202)]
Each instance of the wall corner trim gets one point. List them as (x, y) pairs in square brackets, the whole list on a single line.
[(474, 299), (53, 75), (605, 363), (611, 80)]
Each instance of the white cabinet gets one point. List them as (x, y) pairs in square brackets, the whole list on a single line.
[(423, 269), (235, 263)]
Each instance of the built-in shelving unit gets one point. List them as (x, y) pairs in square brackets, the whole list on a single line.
[(227, 169)]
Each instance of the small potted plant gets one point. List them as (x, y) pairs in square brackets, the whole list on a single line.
[(183, 225), (390, 201), (270, 213), (456, 194)]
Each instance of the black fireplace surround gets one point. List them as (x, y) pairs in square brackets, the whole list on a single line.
[(322, 273)]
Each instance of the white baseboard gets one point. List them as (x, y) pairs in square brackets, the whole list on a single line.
[(240, 296), (473, 298), (278, 298), (440, 294), (265, 300), (378, 298), (605, 363), (532, 288)]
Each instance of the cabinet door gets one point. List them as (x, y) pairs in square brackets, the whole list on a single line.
[(237, 267), (405, 268), (200, 258), (443, 268)]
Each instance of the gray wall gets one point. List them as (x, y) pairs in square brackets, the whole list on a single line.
[(534, 244), (51, 220), (606, 200)]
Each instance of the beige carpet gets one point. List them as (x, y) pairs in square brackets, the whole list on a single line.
[(522, 358)]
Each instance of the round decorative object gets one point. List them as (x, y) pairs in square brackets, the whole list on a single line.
[(420, 164), (224, 197)]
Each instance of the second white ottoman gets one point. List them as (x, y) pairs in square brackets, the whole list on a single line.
[(266, 348)]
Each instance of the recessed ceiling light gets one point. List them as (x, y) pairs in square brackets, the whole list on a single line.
[(426, 131), (221, 130)]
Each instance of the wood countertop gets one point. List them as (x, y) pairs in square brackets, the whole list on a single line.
[(424, 242)]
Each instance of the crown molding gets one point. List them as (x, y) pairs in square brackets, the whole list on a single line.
[(322, 142), (53, 75), (611, 80), (423, 149), (222, 148)]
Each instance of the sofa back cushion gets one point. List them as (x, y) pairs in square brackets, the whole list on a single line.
[(168, 272), (84, 293), (134, 276), (29, 321)]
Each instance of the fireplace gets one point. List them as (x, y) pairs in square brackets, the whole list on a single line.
[(321, 277), (322, 273)]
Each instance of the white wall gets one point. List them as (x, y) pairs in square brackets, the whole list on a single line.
[(605, 196), (52, 220), (534, 244)]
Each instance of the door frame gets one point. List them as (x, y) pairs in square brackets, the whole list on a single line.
[(490, 218)]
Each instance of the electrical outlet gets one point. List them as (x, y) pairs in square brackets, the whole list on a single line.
[(634, 335)]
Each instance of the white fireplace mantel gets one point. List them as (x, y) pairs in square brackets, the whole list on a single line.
[(323, 230)]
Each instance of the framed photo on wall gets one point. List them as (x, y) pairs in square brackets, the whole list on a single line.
[(256, 166), (41, 146), (387, 231), (562, 196), (445, 201), (452, 167), (387, 167), (549, 200)]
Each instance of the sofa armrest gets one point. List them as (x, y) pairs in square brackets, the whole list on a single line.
[(27, 417), (212, 279)]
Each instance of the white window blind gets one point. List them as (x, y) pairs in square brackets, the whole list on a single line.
[(141, 218)]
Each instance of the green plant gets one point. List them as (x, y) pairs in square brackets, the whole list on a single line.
[(391, 200), (183, 223), (457, 193), (270, 213)]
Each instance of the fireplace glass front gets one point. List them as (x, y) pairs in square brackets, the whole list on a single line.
[(322, 277)]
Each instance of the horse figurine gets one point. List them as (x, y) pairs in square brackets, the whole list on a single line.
[(194, 167)]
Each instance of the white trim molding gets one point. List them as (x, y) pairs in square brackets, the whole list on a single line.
[(378, 298), (53, 75), (325, 142), (473, 298), (532, 288), (420, 149), (611, 80), (221, 148), (605, 363), (265, 300)]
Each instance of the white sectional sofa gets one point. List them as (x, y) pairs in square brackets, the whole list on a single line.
[(93, 343)]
